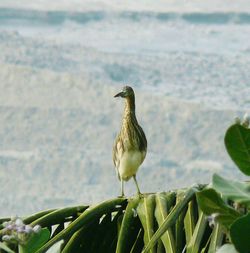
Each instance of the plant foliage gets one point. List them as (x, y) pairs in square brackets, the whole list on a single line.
[(237, 142), (148, 223)]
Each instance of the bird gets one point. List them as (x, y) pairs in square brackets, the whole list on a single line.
[(130, 145)]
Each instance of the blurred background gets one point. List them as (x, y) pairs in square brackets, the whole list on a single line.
[(61, 62)]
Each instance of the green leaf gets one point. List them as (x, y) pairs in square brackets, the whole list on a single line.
[(237, 142), (179, 224), (210, 203), (160, 247), (33, 217), (85, 219), (145, 212), (130, 227), (161, 212), (216, 238), (82, 240), (195, 242), (171, 218), (36, 241), (4, 247), (57, 216), (240, 234), (227, 248), (138, 244), (56, 248), (233, 190), (189, 221), (103, 241)]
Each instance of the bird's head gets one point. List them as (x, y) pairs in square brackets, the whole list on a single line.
[(126, 92)]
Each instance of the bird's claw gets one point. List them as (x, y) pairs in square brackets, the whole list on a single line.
[(121, 196), (140, 195)]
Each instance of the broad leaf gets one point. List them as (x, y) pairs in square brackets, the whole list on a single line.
[(189, 221), (130, 227), (240, 234), (85, 219), (37, 241), (171, 218), (233, 190), (107, 241), (210, 203), (216, 238), (179, 224), (138, 244), (57, 216), (82, 240), (33, 217), (237, 142), (145, 212), (161, 212), (198, 235)]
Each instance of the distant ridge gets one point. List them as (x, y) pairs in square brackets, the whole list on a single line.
[(58, 17)]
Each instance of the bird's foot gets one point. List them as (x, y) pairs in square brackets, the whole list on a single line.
[(121, 196), (139, 194)]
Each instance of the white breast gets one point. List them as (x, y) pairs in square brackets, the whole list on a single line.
[(129, 163)]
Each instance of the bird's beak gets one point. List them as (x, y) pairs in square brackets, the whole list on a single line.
[(120, 94)]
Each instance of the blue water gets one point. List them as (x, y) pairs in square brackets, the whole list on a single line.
[(59, 17), (197, 56), (60, 70)]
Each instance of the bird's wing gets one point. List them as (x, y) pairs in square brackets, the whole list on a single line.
[(141, 141), (117, 153)]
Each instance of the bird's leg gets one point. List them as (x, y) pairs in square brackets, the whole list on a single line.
[(122, 188), (137, 186)]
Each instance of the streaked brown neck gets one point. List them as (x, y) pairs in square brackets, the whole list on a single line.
[(129, 106)]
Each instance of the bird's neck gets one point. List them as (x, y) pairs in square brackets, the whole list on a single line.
[(129, 109)]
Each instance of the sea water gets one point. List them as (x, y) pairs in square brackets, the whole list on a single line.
[(61, 63)]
